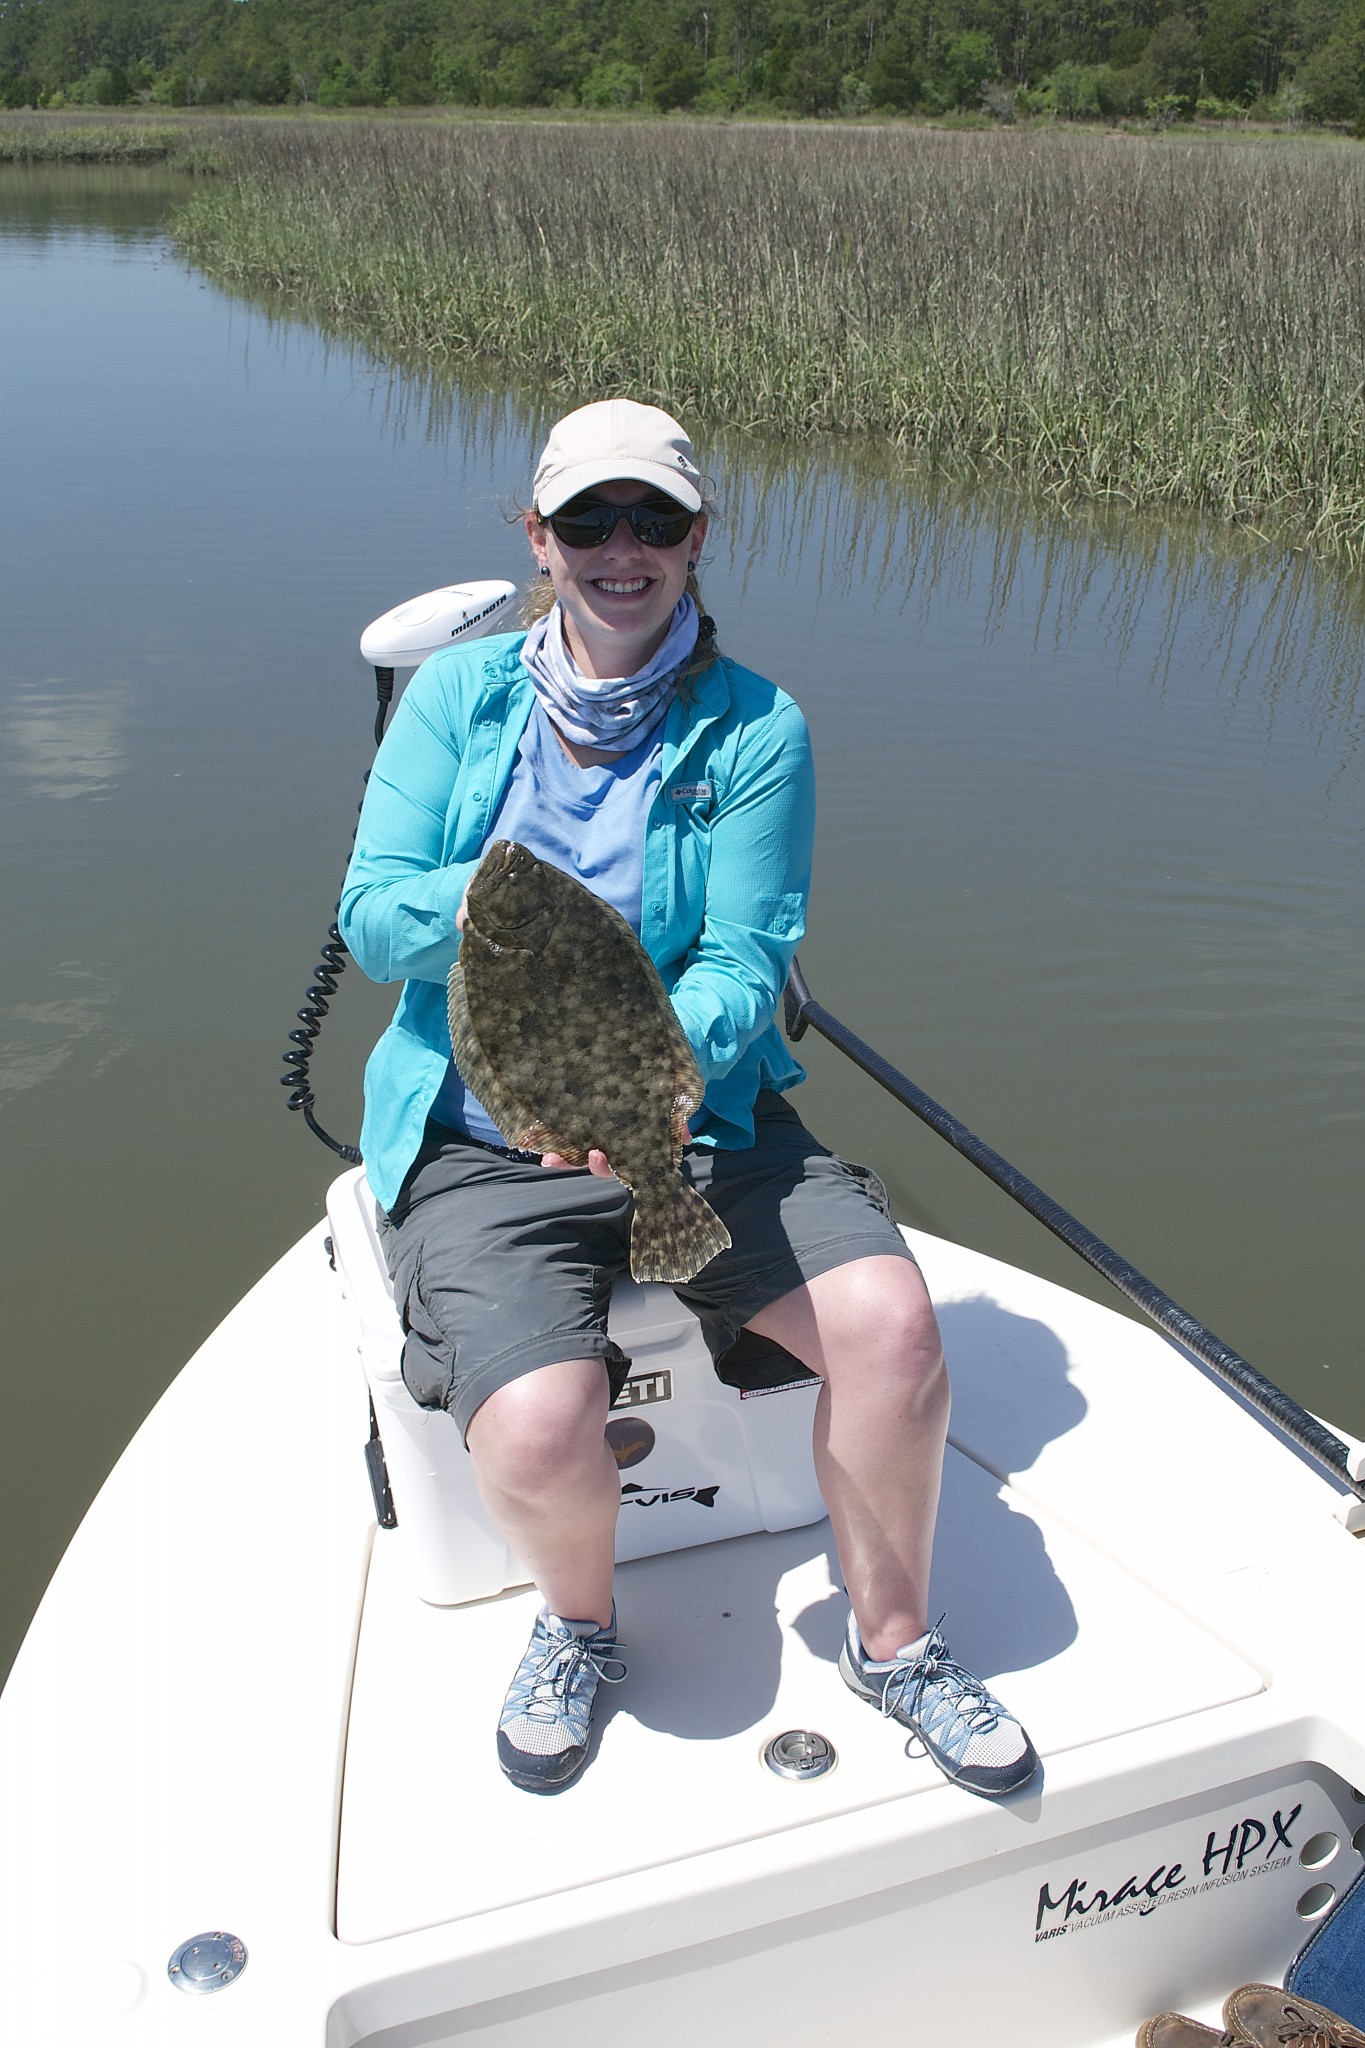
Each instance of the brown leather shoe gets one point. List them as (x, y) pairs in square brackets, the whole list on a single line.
[(1270, 2017), (1173, 2030)]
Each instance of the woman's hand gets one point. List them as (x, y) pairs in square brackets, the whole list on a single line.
[(597, 1163)]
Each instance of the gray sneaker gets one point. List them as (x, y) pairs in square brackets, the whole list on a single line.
[(973, 1739), (543, 1733)]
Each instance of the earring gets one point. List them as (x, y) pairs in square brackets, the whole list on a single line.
[(544, 568), (691, 568)]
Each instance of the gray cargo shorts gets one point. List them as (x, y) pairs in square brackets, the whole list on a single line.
[(501, 1265)]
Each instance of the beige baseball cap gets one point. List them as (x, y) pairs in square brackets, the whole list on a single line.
[(612, 439)]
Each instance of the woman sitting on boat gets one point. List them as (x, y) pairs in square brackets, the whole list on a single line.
[(615, 741)]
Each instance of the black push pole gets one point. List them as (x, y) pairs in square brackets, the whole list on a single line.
[(804, 1013)]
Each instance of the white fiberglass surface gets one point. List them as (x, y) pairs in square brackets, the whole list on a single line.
[(728, 1645)]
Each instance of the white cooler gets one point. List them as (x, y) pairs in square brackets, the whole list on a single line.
[(699, 1461)]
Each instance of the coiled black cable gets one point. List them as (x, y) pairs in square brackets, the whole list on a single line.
[(326, 975), (383, 685)]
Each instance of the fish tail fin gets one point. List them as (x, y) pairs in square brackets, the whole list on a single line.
[(674, 1231)]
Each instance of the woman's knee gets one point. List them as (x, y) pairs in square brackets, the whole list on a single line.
[(538, 1429), (886, 1324)]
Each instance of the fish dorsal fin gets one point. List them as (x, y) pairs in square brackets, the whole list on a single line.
[(538, 1137), (688, 1086)]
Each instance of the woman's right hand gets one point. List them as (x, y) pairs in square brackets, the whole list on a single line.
[(597, 1163)]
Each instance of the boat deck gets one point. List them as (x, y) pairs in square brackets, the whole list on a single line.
[(728, 1645), (1155, 1583)]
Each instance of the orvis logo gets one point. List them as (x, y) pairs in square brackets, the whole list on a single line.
[(633, 1496)]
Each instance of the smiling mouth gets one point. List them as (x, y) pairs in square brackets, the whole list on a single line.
[(622, 587)]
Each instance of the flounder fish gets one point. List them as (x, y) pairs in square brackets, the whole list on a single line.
[(563, 1029)]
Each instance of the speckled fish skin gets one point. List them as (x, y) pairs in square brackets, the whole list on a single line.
[(563, 1029)]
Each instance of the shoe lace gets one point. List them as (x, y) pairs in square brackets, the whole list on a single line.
[(906, 1682), (1302, 2032), (562, 1670)]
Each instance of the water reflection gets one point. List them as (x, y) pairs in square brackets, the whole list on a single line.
[(1263, 623), (39, 1038), (64, 743), (43, 203)]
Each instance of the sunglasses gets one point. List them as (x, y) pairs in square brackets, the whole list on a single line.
[(588, 522)]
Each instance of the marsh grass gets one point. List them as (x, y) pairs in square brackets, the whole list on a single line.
[(87, 143), (1148, 321), (195, 144)]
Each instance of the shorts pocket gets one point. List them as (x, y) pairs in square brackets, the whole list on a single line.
[(872, 1184), (428, 1354)]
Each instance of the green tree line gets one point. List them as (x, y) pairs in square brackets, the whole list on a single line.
[(1292, 59)]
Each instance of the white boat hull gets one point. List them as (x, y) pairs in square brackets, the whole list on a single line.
[(233, 1712)]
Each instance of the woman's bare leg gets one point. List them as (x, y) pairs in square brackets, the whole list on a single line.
[(881, 1422), (551, 1485)]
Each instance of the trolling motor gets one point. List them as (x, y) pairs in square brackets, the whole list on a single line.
[(401, 638)]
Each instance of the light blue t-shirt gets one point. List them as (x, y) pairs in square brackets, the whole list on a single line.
[(589, 823)]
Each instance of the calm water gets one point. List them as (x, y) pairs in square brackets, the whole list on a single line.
[(1090, 860)]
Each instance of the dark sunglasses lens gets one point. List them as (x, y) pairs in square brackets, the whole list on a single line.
[(659, 526), (658, 523), (586, 526)]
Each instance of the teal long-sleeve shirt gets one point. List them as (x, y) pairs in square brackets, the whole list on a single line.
[(727, 861)]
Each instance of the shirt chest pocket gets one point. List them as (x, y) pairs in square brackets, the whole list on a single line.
[(690, 807)]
